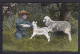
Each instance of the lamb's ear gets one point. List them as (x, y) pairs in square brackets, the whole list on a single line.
[(36, 21), (33, 21), (50, 19)]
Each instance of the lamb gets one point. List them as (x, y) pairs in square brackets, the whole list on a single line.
[(40, 31), (54, 26)]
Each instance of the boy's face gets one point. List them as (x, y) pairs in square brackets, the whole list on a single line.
[(24, 16)]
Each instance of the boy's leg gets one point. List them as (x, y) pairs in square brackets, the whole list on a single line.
[(23, 34), (18, 35)]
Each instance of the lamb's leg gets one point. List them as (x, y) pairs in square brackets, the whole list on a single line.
[(52, 33), (69, 35), (32, 35), (47, 36), (49, 33)]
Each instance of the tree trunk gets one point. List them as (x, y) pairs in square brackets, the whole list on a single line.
[(63, 12)]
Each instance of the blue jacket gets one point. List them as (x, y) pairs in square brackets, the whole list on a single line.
[(21, 21)]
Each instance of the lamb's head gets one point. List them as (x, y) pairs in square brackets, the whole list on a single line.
[(34, 23), (46, 19)]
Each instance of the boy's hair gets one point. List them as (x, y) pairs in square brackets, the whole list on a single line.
[(22, 15)]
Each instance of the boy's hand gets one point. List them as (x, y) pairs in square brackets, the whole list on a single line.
[(25, 25), (22, 25)]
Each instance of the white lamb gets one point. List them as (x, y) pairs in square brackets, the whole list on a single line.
[(40, 31)]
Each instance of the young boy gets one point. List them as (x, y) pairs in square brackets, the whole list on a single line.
[(21, 25)]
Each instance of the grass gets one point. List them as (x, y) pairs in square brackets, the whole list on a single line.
[(59, 42)]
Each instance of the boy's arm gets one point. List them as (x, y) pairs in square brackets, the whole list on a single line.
[(27, 22), (25, 25), (18, 23)]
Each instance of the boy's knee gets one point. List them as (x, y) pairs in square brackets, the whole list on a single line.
[(24, 34), (18, 35)]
